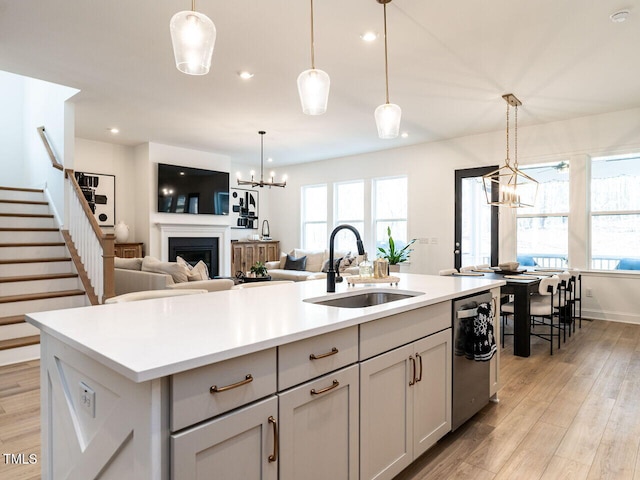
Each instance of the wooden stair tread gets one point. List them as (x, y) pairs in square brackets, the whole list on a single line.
[(12, 320), (45, 276), (28, 229), (40, 296), (24, 202), (19, 189), (34, 260), (19, 342), (27, 215), (33, 244)]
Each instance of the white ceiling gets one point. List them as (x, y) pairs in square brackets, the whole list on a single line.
[(450, 63)]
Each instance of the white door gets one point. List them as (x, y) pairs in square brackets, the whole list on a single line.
[(319, 428), (432, 391), (386, 403), (236, 445)]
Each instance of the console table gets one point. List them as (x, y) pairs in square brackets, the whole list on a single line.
[(129, 250), (244, 254)]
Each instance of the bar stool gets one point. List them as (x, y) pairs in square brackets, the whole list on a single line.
[(576, 298), (468, 268)]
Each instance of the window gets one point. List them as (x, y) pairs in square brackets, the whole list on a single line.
[(390, 210), (542, 235), (314, 217), (615, 213), (349, 208)]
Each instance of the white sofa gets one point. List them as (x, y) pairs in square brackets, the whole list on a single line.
[(130, 276), (316, 260)]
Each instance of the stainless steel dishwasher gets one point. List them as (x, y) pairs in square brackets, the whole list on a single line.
[(470, 377)]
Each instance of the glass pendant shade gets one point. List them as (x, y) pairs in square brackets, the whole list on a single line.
[(313, 87), (388, 120), (193, 36)]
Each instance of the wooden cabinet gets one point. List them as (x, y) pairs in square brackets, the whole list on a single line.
[(405, 404), (242, 445), (129, 250), (319, 428), (245, 254)]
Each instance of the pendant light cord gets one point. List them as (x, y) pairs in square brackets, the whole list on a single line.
[(515, 144), (193, 5), (507, 159), (313, 60), (386, 63), (261, 155)]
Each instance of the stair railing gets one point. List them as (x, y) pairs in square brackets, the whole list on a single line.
[(47, 144), (94, 248)]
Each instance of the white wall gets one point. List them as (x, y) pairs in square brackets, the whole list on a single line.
[(44, 105), (12, 168), (111, 159)]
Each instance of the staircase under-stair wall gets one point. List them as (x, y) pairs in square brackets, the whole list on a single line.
[(36, 271)]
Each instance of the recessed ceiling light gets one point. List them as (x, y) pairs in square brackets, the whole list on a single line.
[(369, 36), (245, 75), (269, 159), (113, 130), (404, 134), (619, 16), (181, 173)]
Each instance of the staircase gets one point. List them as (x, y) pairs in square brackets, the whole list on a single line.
[(36, 271)]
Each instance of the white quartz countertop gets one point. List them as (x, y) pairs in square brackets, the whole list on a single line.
[(150, 339)]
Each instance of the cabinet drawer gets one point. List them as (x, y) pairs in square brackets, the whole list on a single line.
[(239, 381), (331, 351), (382, 335)]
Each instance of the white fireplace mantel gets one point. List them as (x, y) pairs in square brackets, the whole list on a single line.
[(221, 232)]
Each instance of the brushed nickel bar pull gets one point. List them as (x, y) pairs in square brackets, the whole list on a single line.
[(216, 389), (419, 357), (413, 369), (324, 390), (313, 356), (274, 456)]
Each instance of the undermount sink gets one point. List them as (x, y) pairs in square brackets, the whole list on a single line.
[(363, 299)]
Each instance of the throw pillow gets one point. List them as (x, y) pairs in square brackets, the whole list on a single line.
[(346, 262), (283, 259), (127, 263), (292, 263), (178, 272), (199, 272), (183, 262), (315, 259)]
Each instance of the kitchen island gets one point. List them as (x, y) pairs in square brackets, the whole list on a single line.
[(253, 383)]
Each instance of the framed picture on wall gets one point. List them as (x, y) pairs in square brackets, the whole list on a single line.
[(100, 192), (243, 208)]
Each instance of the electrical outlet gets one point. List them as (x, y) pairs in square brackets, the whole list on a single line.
[(434, 240), (589, 292), (423, 241), (87, 399)]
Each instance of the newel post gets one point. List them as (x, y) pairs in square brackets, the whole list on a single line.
[(108, 241)]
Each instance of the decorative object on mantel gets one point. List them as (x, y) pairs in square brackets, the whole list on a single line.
[(244, 208), (388, 114), (193, 36), (394, 255), (514, 188), (313, 85), (121, 232), (357, 280), (262, 183)]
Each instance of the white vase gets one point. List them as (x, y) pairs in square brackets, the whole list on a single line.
[(121, 231)]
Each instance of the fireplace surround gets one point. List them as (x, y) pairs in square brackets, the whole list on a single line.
[(218, 232)]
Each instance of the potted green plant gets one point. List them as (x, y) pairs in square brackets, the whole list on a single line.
[(393, 254), (258, 269)]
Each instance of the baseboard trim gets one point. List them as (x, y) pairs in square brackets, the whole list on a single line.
[(610, 316)]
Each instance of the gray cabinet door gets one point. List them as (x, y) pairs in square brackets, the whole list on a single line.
[(236, 445)]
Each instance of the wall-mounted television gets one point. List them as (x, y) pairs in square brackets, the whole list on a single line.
[(192, 190)]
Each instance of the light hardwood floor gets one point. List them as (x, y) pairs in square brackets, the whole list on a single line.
[(573, 415)]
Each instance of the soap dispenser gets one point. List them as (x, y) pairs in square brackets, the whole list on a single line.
[(365, 268)]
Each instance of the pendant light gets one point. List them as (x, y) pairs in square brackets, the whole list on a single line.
[(514, 188), (388, 114), (193, 36), (313, 85), (252, 183)]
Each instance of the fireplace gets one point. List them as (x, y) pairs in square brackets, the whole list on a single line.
[(195, 249)]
